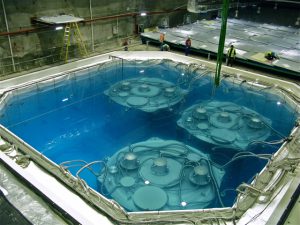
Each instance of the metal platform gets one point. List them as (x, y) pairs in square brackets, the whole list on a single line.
[(59, 19), (251, 40)]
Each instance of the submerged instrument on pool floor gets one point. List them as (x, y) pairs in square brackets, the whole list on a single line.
[(225, 123), (146, 94), (161, 175)]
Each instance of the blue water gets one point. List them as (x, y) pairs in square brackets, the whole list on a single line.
[(72, 119)]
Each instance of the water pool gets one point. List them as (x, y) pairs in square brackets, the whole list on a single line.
[(71, 118)]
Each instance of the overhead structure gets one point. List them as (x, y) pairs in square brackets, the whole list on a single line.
[(204, 6), (161, 175), (71, 28), (146, 94), (225, 124)]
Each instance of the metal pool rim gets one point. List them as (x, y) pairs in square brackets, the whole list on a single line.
[(276, 181)]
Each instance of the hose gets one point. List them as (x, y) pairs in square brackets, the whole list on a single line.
[(77, 165), (71, 161), (261, 156), (267, 142), (215, 183), (186, 148), (88, 166), (267, 125), (23, 160), (180, 182)]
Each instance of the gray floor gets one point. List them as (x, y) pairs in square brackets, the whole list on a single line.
[(251, 40)]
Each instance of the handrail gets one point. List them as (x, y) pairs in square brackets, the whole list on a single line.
[(36, 63), (8, 36), (50, 77)]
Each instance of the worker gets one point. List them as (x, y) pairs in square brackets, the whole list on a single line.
[(165, 47), (271, 55), (125, 44), (231, 55), (188, 44), (161, 40)]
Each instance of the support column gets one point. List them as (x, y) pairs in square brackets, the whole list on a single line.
[(92, 28), (221, 42)]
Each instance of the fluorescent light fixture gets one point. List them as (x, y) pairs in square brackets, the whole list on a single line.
[(59, 28), (143, 14)]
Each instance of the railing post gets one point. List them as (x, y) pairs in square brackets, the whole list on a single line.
[(92, 27), (221, 42), (8, 36)]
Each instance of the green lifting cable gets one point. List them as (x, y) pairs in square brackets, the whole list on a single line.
[(221, 42)]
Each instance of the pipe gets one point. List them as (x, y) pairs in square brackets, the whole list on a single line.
[(221, 43), (90, 20), (23, 31), (8, 36), (92, 28), (133, 14)]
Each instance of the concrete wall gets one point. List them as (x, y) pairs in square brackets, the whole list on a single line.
[(107, 32), (283, 14)]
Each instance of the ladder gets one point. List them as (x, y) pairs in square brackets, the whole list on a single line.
[(72, 28)]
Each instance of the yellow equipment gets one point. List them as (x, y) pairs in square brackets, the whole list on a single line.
[(72, 28)]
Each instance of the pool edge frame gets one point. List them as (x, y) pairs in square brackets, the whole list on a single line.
[(112, 209)]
